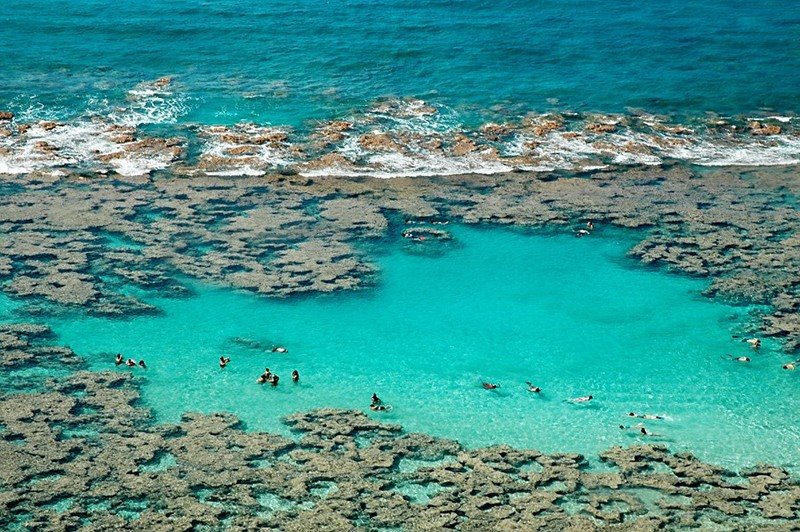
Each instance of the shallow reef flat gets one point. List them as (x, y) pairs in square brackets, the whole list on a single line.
[(78, 242), (79, 450)]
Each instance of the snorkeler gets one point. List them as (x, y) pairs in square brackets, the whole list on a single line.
[(142, 364), (584, 399), (755, 343), (279, 349), (645, 416), (638, 428), (119, 360), (295, 376), (490, 386), (380, 408), (791, 366), (738, 359), (131, 363), (582, 232), (223, 361), (532, 388)]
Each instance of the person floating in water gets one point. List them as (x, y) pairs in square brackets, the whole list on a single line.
[(738, 359), (584, 399), (131, 363), (490, 386), (638, 428), (223, 361), (791, 366), (380, 408), (582, 232), (274, 380), (279, 349), (295, 376), (755, 343), (645, 416), (532, 388), (142, 364), (119, 360)]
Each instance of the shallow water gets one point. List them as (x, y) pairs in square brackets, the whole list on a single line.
[(572, 315)]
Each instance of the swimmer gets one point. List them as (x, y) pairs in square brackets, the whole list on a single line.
[(589, 225), (582, 232), (755, 343), (584, 399), (791, 366), (267, 374), (645, 416), (262, 379), (131, 363), (380, 408), (738, 359), (142, 364), (638, 428), (279, 349), (295, 376), (490, 386), (223, 361), (532, 388), (119, 360), (376, 400), (274, 380)]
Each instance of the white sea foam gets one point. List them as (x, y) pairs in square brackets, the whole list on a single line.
[(409, 138)]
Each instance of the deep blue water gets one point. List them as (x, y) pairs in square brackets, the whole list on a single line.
[(285, 62)]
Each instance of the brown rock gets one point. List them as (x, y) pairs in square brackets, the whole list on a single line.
[(758, 129), (597, 127)]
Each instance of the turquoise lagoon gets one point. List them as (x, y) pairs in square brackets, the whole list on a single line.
[(574, 316)]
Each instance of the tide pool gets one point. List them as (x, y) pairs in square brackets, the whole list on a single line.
[(574, 316)]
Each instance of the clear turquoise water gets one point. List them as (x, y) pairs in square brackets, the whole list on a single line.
[(288, 61), (572, 315)]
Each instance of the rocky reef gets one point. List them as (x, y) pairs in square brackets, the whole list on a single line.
[(79, 452), (76, 241)]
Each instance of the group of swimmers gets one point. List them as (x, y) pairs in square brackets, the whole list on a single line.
[(272, 378), (131, 363), (536, 389), (586, 230), (755, 343)]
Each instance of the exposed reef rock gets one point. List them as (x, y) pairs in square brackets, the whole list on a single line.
[(78, 453), (76, 241)]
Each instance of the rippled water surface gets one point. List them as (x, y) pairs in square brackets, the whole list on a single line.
[(574, 316), (284, 62)]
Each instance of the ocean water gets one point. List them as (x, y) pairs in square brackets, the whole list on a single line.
[(293, 64), (574, 316), (284, 62)]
